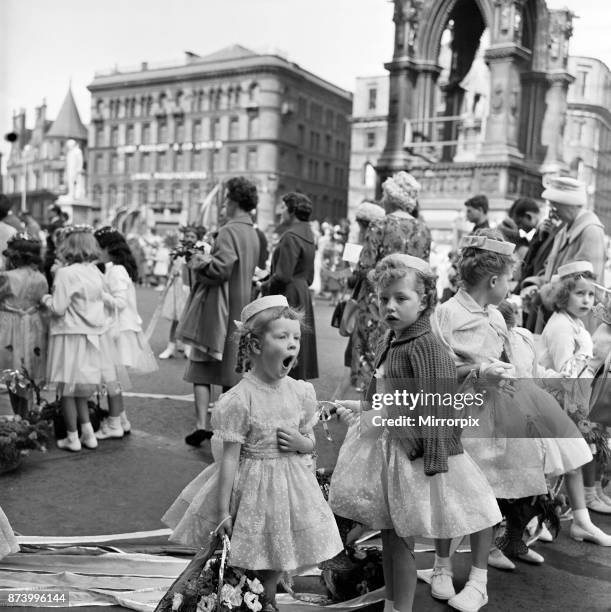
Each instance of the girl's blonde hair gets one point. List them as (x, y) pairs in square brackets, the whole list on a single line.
[(78, 245), (251, 333), (557, 295)]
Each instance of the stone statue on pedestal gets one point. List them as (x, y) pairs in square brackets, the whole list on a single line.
[(74, 171)]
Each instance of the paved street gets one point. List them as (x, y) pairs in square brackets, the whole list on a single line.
[(126, 485)]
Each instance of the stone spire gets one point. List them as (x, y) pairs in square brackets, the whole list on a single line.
[(68, 123)]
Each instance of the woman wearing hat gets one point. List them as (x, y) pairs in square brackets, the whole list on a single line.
[(292, 273), (400, 231)]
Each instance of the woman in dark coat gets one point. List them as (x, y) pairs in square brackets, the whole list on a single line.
[(292, 274), (223, 282)]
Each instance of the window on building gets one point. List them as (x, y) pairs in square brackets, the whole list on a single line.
[(127, 194), (162, 131), (312, 134), (371, 140), (582, 77), (253, 127), (302, 106), (129, 134), (327, 172), (179, 161), (328, 144), (114, 163), (114, 136), (301, 135), (112, 196), (216, 160), (233, 159), (194, 194), (251, 158), (176, 203), (372, 99), (197, 160), (142, 194), (145, 137), (179, 130), (234, 128), (99, 136), (145, 162), (129, 163), (98, 163), (329, 118), (215, 129), (161, 161), (316, 166), (97, 195), (300, 166), (196, 131)]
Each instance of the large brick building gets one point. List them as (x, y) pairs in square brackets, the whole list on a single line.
[(161, 137)]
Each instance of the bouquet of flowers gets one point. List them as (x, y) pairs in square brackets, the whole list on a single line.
[(17, 437), (207, 585)]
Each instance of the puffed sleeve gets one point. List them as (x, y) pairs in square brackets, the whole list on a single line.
[(63, 290), (309, 408), (231, 417), (118, 285)]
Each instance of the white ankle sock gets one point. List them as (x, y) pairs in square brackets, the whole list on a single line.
[(590, 492), (442, 562), (479, 575), (87, 429), (72, 436), (388, 605), (582, 517), (114, 422)]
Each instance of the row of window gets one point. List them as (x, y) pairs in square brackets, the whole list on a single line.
[(159, 195), (176, 161), (178, 133), (314, 142), (313, 170), (317, 115)]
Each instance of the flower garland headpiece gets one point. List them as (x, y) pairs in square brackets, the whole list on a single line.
[(75, 229)]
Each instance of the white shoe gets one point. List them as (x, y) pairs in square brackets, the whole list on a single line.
[(532, 557), (109, 430), (88, 439), (169, 351), (471, 599), (441, 583), (497, 559), (590, 534), (73, 445), (538, 533), (187, 351), (125, 424), (597, 505), (603, 496)]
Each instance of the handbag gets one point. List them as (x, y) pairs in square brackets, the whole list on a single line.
[(348, 321), (600, 400), (338, 313)]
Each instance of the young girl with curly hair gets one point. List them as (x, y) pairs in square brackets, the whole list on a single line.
[(412, 480), (133, 351), (568, 348), (262, 492)]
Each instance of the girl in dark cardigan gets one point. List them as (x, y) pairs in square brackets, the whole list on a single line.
[(429, 486)]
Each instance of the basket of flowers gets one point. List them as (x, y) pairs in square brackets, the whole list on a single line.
[(208, 585), (18, 437)]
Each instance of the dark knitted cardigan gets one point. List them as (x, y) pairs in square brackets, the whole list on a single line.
[(417, 360)]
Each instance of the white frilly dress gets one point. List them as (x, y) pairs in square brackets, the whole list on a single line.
[(8, 543), (375, 483), (82, 355), (133, 350), (563, 446), (281, 520)]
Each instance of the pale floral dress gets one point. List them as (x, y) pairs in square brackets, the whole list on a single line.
[(280, 519), (501, 445)]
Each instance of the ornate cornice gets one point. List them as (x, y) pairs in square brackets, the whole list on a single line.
[(560, 77), (505, 51)]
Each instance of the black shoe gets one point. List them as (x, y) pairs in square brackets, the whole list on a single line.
[(198, 436)]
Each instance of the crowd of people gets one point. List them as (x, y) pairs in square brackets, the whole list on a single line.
[(531, 333)]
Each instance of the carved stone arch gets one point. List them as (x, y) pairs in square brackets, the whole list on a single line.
[(434, 22)]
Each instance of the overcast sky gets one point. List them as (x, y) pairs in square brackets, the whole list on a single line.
[(46, 43)]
